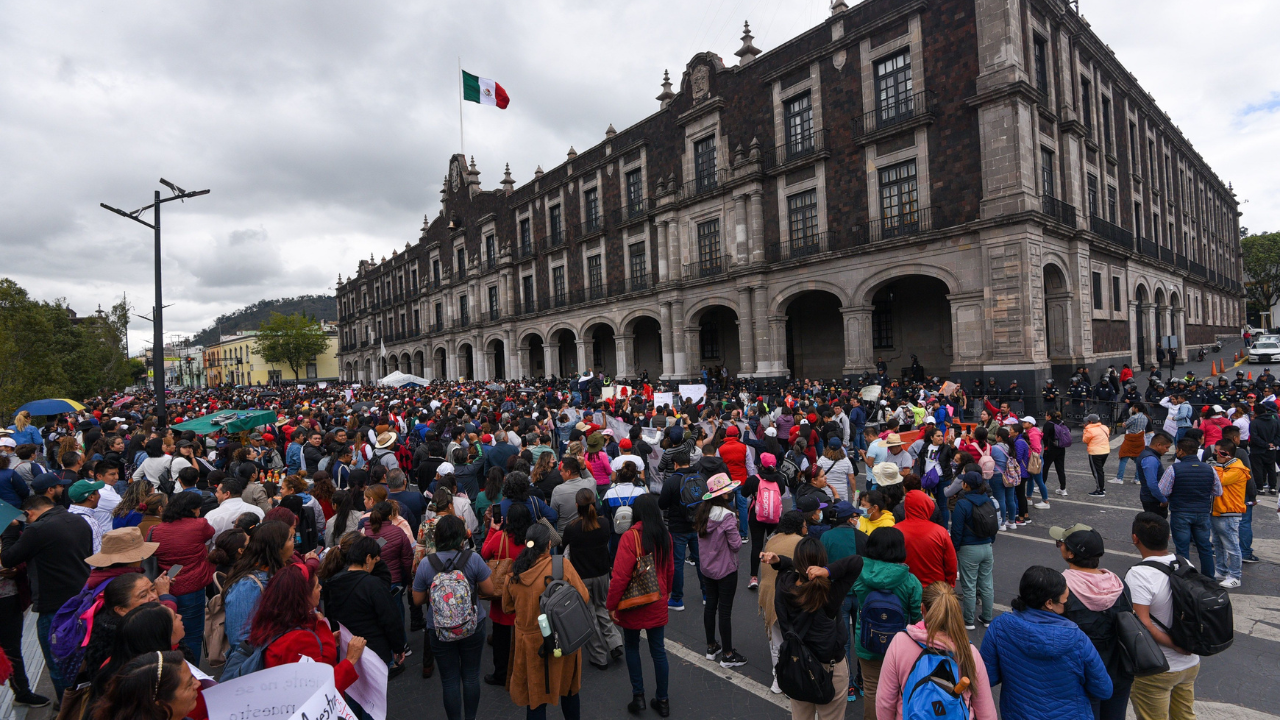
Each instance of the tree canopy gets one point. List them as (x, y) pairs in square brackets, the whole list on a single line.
[(291, 340), (44, 353), (1262, 269)]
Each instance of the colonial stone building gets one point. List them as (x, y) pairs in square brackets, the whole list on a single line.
[(977, 182)]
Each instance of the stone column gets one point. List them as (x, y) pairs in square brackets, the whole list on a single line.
[(746, 331), (451, 359), (1177, 326), (511, 357), (551, 359), (668, 342), (693, 353), (857, 339), (1133, 336), (755, 240), (765, 364), (663, 275), (582, 356), (1167, 328), (675, 260), (680, 364), (622, 345), (740, 252), (778, 343)]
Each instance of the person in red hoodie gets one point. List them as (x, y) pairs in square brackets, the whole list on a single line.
[(930, 554), (734, 454), (182, 536), (289, 625)]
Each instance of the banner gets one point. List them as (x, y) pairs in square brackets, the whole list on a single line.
[(279, 692), (370, 691), (870, 393), (697, 393), (663, 398)]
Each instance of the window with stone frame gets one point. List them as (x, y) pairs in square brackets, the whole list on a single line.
[(802, 219), (709, 245), (798, 118), (493, 302), (557, 225), (591, 207), (491, 249), (1117, 298), (639, 266), (1097, 291), (462, 262), (704, 162), (899, 199), (464, 310), (526, 284), (882, 321), (595, 276), (1046, 172), (1106, 123), (635, 192), (1086, 106), (526, 237), (439, 316), (1092, 194), (893, 88), (558, 285), (1041, 52), (435, 271), (709, 341), (1113, 207)]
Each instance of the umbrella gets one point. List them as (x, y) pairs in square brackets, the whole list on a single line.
[(122, 401), (528, 390), (269, 394), (363, 405), (494, 387), (230, 420), (51, 406)]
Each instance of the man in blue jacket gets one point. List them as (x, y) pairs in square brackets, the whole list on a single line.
[(1150, 471), (1191, 484), (857, 422)]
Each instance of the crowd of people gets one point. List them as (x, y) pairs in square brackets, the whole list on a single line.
[(560, 523)]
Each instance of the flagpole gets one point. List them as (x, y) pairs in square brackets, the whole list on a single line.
[(461, 139)]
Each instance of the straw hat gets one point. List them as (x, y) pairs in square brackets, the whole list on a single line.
[(893, 440), (385, 440), (124, 545), (719, 484), (886, 473)]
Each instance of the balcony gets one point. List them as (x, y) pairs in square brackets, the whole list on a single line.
[(526, 251), (1148, 248), (897, 226), (702, 185), (809, 145), (494, 314), (596, 292), (593, 224), (491, 264), (436, 327), (1112, 233), (643, 281), (633, 209), (461, 273), (364, 343), (797, 247), (462, 322), (1197, 269), (1180, 261), (1059, 210), (706, 268), (530, 306), (882, 120), (560, 299), (556, 239), (1166, 255)]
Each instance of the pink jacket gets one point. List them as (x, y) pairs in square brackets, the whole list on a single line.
[(902, 656), (1035, 439)]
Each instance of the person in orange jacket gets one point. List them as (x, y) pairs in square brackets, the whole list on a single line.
[(1097, 440), (1228, 508)]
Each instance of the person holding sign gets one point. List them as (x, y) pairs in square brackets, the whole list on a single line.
[(154, 686), (289, 625)]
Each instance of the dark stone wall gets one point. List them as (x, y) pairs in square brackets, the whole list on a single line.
[(1110, 335)]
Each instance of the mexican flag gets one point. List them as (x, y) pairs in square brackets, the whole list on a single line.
[(483, 91)]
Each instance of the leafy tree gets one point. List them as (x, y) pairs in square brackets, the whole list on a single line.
[(290, 340), (1262, 268)]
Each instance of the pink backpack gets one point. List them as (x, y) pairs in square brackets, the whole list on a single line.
[(987, 463), (768, 502)]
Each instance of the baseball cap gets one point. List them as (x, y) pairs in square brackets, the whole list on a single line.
[(809, 504), (445, 468), (1029, 419), (7, 441), (486, 438), (625, 444), (83, 489), (42, 482), (846, 510), (255, 436), (1083, 541), (731, 431), (771, 432)]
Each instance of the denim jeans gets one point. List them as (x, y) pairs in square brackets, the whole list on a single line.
[(975, 580), (44, 625), (191, 608), (1185, 526), (848, 614), (1037, 480), (459, 664), (681, 541), (1124, 463), (1008, 497), (657, 652), (1226, 546), (741, 502), (1246, 532)]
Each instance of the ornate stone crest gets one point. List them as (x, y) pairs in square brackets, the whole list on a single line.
[(838, 60), (455, 176), (701, 82)]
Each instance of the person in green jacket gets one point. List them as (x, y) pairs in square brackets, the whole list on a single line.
[(884, 568), (841, 541)]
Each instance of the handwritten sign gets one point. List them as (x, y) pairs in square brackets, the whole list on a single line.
[(662, 398), (694, 392), (277, 692), (371, 689), (327, 704)]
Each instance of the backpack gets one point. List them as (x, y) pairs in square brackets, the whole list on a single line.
[(1012, 472), (929, 691), (789, 469), (882, 618), (404, 456), (1061, 435), (623, 515), (571, 621), (70, 628), (692, 487), (987, 463), (453, 602), (984, 521), (215, 623), (768, 502), (1034, 463), (246, 658), (165, 482), (1202, 618), (800, 674), (308, 530)]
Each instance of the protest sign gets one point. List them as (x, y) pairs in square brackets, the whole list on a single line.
[(277, 692), (663, 398), (697, 393), (370, 691), (606, 393), (870, 393), (327, 704)]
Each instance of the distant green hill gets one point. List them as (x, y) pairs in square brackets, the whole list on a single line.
[(322, 307)]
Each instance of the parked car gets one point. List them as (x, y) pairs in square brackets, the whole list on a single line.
[(1265, 350)]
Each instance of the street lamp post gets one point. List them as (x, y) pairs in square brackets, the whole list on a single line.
[(157, 358)]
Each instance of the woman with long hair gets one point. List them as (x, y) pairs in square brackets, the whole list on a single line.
[(345, 517), (884, 570), (790, 531), (359, 598), (544, 475), (1001, 450), (1054, 454), (397, 552), (152, 686), (1135, 440), (322, 489), (807, 601), (718, 542), (149, 627), (270, 547), (121, 595), (648, 535), (228, 546), (376, 494), (288, 626), (587, 541), (941, 629), (531, 674), (506, 537), (1040, 658), (183, 538), (140, 507)]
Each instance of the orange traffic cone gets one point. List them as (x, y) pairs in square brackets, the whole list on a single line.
[(1250, 375), (1213, 367)]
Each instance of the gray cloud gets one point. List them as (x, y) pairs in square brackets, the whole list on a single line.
[(323, 128)]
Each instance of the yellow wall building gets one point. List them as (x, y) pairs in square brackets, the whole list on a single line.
[(232, 361)]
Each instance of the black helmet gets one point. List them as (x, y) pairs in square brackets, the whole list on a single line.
[(991, 380), (1049, 381), (1239, 373)]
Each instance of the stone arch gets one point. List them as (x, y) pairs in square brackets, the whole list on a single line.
[(440, 363), (406, 363), (466, 361), (382, 369), (368, 370), (814, 333), (1057, 310), (911, 315), (495, 351), (419, 367), (630, 319), (643, 333), (602, 352), (713, 342), (782, 298), (564, 362), (530, 346), (348, 374), (867, 289), (585, 328), (693, 313)]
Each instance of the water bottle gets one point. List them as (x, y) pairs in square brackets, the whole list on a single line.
[(544, 625)]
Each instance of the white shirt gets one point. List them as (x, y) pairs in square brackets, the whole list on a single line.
[(1148, 586), (108, 501), (226, 514), (88, 516), (625, 458)]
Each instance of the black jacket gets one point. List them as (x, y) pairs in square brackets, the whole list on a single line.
[(1099, 625), (677, 516), (821, 631), (1264, 431), (362, 603), (54, 548)]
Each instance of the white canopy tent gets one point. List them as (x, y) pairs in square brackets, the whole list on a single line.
[(399, 379)]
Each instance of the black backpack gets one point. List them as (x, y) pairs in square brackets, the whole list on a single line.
[(1202, 619), (692, 487), (789, 469), (308, 530), (801, 675), (983, 521)]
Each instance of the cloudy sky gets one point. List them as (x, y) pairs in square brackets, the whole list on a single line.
[(323, 128)]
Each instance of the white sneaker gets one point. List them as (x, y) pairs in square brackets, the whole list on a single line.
[(774, 688), (1010, 526), (1230, 583), (1116, 481), (970, 627), (1059, 492), (1064, 493), (1042, 505)]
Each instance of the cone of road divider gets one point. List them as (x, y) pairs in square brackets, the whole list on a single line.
[(1250, 375)]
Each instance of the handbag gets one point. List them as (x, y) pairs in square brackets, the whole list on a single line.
[(76, 702), (543, 521), (500, 570), (1035, 463), (643, 587), (1139, 652)]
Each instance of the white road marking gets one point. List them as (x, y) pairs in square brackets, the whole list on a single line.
[(1019, 535), (742, 681)]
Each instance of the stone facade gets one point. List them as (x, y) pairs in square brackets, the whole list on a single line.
[(977, 182)]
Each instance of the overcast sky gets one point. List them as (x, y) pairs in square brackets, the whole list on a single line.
[(323, 128)]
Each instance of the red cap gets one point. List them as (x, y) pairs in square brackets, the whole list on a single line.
[(731, 431), (625, 444), (486, 438), (812, 418), (269, 437)]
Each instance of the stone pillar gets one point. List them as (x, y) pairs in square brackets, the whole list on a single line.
[(1148, 311), (1179, 327), (680, 364), (755, 240), (451, 359), (765, 364), (692, 354), (675, 260), (1134, 318), (551, 359), (1167, 327), (663, 275), (489, 368), (623, 345), (740, 252), (511, 357), (746, 331), (582, 356), (857, 339), (668, 342), (778, 343)]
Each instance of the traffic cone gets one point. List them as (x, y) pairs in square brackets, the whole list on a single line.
[(1250, 375), (1213, 367)]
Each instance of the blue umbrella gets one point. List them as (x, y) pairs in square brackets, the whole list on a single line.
[(51, 406)]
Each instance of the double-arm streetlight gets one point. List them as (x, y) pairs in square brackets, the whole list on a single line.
[(157, 354)]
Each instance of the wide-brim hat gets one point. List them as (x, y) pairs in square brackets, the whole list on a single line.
[(124, 545), (893, 440), (886, 473), (719, 484), (595, 442), (385, 440)]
